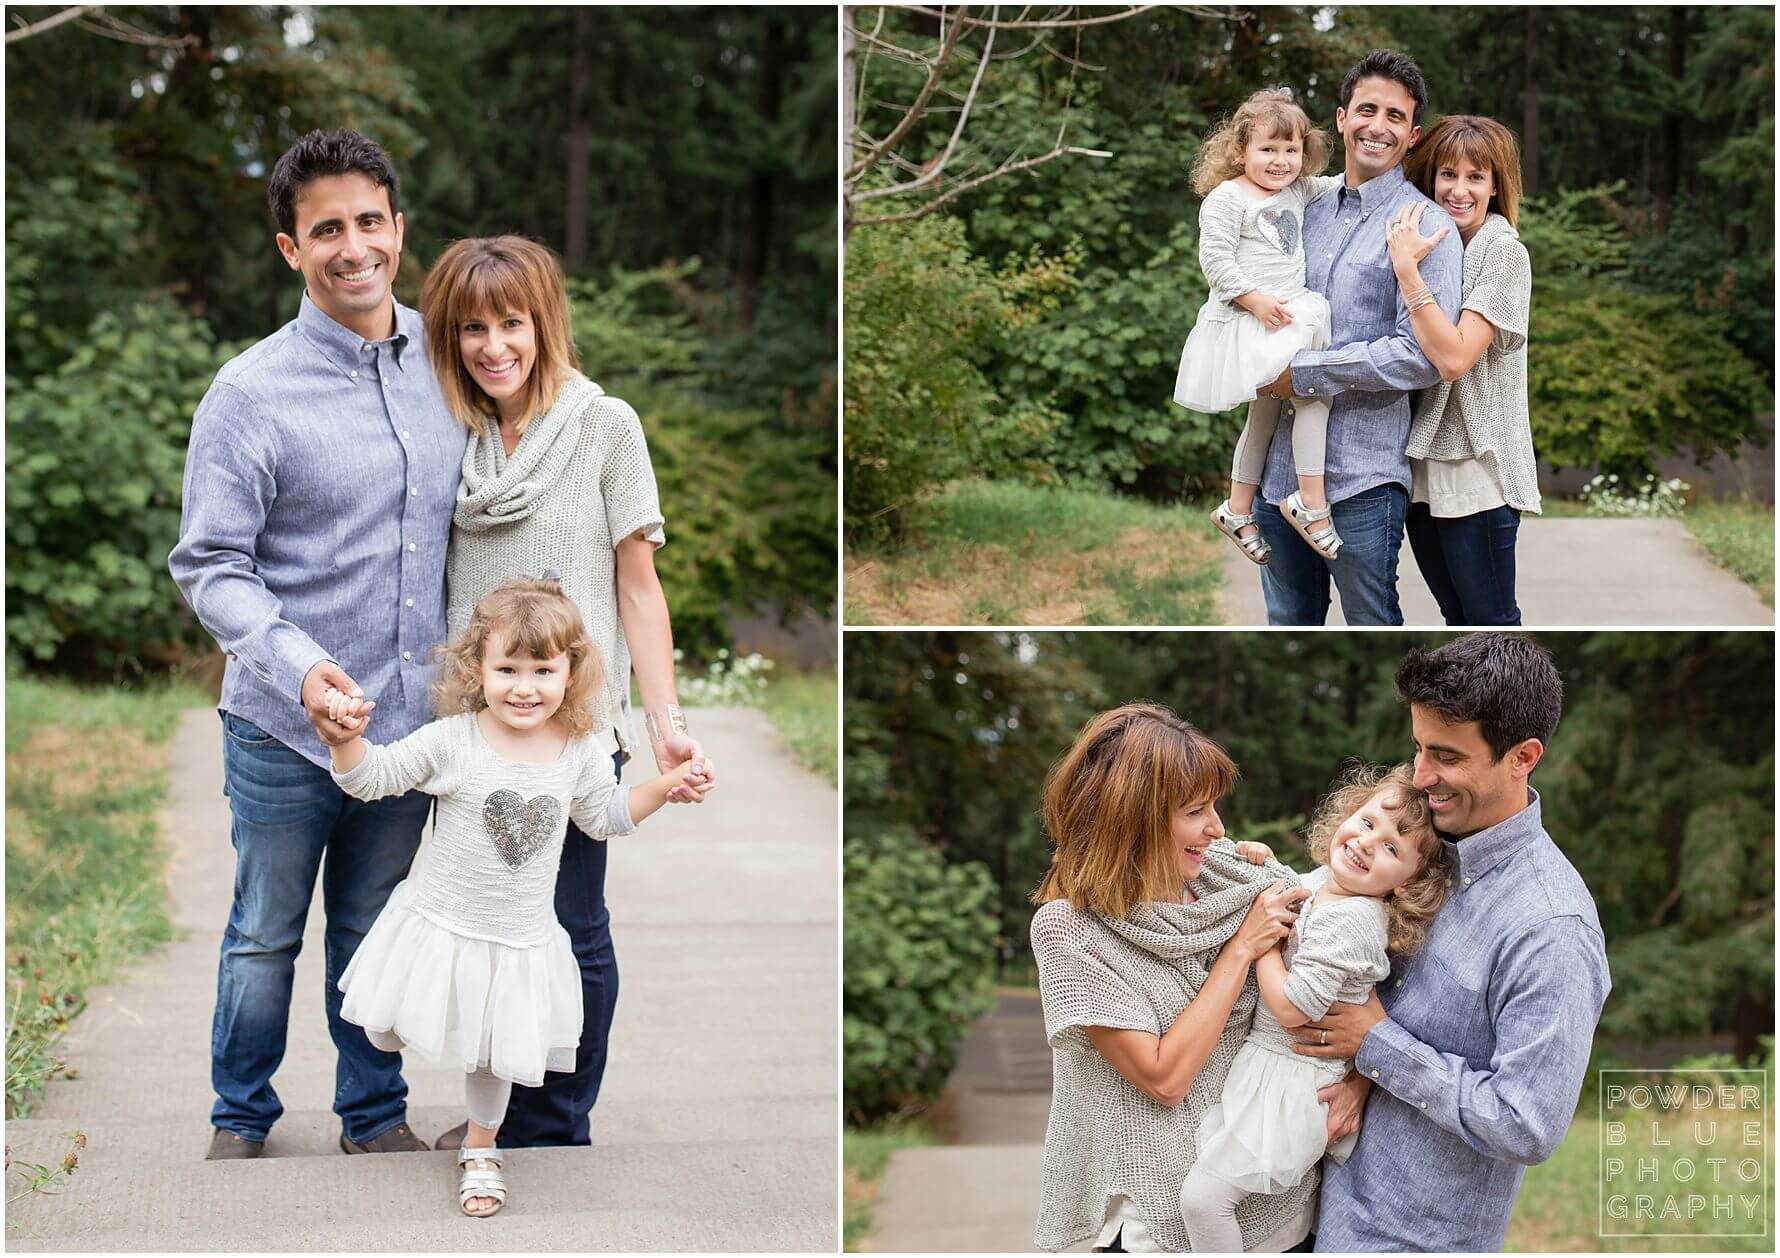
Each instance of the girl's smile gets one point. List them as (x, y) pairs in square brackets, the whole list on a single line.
[(1368, 855), (523, 692), (1272, 162)]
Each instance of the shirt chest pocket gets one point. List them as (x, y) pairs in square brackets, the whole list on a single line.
[(1457, 1013), (1372, 300)]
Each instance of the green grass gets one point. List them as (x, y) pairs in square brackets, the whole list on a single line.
[(802, 707), (1560, 1199), (995, 552), (865, 1152), (86, 769), (1739, 535)]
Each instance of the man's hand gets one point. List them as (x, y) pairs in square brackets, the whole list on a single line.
[(677, 749), (1254, 853), (1346, 1101), (325, 676), (1280, 388), (1338, 1032)]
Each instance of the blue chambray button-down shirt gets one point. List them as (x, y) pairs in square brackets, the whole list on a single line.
[(1477, 1070), (319, 485), (1373, 360)]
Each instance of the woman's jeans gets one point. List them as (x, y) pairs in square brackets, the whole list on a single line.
[(286, 814), (556, 1112), (1468, 563), (1295, 581)]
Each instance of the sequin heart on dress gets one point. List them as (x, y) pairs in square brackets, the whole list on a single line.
[(518, 828), (1281, 227)]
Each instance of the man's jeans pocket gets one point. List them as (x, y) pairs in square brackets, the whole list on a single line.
[(245, 732)]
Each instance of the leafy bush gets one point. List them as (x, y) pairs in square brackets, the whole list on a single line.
[(920, 954), (922, 313), (95, 454)]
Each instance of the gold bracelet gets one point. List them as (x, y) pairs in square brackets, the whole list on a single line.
[(676, 724)]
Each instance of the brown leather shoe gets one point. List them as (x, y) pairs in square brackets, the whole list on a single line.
[(398, 1139), (226, 1146), (453, 1139)]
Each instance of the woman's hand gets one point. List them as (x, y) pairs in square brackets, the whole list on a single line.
[(1404, 236), (1271, 311), (1270, 919)]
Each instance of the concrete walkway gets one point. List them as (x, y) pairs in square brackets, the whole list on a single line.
[(979, 1194), (1568, 572), (715, 1130)]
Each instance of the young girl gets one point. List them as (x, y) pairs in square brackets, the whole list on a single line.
[(467, 962), (1382, 879), (1257, 171)]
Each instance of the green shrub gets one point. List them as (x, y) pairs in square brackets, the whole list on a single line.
[(95, 453), (919, 945), (922, 314)]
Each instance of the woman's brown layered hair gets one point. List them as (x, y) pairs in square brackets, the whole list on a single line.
[(485, 278), (533, 617), (1109, 807), (1483, 142), (1269, 112), (1411, 907)]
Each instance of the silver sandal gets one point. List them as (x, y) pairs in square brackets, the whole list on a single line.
[(1300, 517), (1254, 546), (480, 1181)]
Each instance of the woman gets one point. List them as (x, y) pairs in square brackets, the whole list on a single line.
[(1471, 443), (1146, 932), (556, 476)]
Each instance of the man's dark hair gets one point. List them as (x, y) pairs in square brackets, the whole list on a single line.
[(322, 153), (1382, 63), (1508, 685)]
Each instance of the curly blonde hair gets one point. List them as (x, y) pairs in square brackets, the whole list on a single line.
[(534, 617), (1410, 909), (1271, 111)]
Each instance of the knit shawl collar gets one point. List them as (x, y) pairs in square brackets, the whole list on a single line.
[(496, 489), (1182, 934)]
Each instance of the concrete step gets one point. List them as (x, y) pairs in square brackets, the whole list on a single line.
[(746, 1194), (958, 1199)]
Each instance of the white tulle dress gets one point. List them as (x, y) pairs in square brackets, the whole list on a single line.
[(1247, 245), (467, 964), (1269, 1129)]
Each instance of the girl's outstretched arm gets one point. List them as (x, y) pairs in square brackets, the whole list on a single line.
[(1270, 977)]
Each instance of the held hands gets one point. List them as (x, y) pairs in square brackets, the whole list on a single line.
[(350, 712), (324, 677), (1270, 918), (1271, 311), (680, 750), (1404, 236), (1254, 853)]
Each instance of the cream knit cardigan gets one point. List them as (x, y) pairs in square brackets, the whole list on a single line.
[(1106, 1137), (1483, 414), (579, 482)]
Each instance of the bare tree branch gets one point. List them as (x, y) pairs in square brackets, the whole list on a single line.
[(49, 23), (901, 129), (1006, 168), (937, 169), (1040, 23), (103, 24)]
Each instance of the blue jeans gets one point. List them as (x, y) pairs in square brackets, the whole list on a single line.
[(1468, 562), (1295, 581), (556, 1113), (287, 813)]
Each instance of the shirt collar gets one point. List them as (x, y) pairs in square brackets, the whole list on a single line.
[(1378, 187), (340, 344), (1476, 854)]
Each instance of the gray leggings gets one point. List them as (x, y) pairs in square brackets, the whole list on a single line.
[(485, 1098), (1310, 434), (1208, 1208)]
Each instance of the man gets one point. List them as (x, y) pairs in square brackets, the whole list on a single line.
[(319, 487), (1475, 1056), (1373, 363)]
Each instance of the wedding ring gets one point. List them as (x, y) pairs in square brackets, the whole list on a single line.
[(1325, 1038)]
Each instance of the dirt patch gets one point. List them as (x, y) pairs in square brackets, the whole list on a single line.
[(71, 764)]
